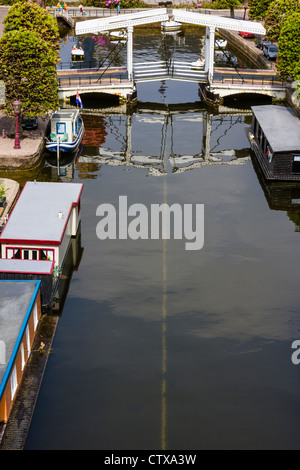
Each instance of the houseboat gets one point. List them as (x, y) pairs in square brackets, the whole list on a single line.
[(37, 237), (20, 314), (66, 131), (275, 142)]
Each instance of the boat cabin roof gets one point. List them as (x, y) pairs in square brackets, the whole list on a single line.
[(65, 115), (22, 266), (17, 299), (281, 127), (41, 213)]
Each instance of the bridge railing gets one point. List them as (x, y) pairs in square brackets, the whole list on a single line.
[(91, 12), (249, 80), (108, 79), (71, 65)]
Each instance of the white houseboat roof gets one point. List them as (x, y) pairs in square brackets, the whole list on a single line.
[(17, 299), (281, 127), (65, 115), (41, 213), (14, 266)]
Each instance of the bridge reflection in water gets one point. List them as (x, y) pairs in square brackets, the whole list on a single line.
[(209, 131)]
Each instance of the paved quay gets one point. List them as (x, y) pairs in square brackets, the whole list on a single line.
[(32, 143)]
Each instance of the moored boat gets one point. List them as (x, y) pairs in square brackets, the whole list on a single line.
[(275, 142), (170, 26), (66, 131), (41, 249), (221, 43), (199, 64), (77, 53), (121, 35)]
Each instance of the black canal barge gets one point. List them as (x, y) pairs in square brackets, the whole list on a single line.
[(275, 142)]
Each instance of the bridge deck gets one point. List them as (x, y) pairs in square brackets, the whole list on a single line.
[(226, 81)]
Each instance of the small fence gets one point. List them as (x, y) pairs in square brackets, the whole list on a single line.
[(91, 12), (107, 79), (249, 80)]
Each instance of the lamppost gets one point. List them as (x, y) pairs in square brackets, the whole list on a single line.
[(245, 8), (17, 110)]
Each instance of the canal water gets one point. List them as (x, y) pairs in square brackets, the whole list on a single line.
[(157, 346)]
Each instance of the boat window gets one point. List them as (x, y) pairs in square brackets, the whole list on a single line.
[(60, 128), (25, 254), (296, 164), (10, 253), (258, 131), (34, 255), (254, 126), (269, 154), (17, 254), (263, 143), (46, 255)]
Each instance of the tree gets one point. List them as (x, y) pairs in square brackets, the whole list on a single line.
[(31, 17), (28, 69), (28, 57), (258, 8), (229, 4), (276, 15), (289, 48)]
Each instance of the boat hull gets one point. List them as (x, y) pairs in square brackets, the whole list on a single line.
[(170, 26), (268, 173)]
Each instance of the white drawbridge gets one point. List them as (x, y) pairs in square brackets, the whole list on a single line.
[(128, 21)]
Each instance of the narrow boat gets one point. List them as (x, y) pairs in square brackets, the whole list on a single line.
[(221, 43), (199, 64), (275, 142), (66, 131), (170, 26), (77, 53)]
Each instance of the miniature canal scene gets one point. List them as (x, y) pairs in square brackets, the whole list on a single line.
[(149, 227)]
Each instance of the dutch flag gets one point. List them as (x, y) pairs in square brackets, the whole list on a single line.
[(78, 99)]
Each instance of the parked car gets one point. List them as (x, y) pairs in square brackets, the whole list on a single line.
[(29, 123), (261, 43), (246, 35), (271, 51)]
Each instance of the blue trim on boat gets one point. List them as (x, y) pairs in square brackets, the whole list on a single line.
[(20, 336)]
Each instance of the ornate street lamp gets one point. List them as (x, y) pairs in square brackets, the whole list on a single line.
[(17, 110)]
